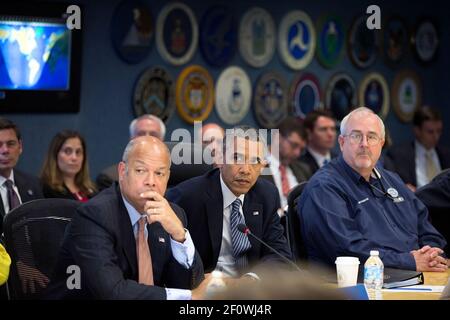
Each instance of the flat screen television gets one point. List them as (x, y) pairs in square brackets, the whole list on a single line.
[(40, 59)]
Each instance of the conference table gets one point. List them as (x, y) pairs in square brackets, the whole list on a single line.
[(430, 278)]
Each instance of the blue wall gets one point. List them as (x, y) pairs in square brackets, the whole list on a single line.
[(107, 82)]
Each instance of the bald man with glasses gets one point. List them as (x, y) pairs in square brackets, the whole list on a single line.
[(353, 205)]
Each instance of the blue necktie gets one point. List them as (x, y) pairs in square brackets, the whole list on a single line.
[(239, 240)]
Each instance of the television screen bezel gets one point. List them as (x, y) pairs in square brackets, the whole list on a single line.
[(45, 101)]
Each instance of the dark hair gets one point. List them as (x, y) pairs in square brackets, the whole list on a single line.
[(290, 125), (312, 117), (8, 124), (52, 176), (426, 114)]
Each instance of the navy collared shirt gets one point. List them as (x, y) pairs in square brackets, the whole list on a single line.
[(342, 215)]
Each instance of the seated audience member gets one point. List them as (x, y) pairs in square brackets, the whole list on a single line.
[(418, 162), (286, 170), (352, 206), (5, 262), (320, 129), (145, 125), (65, 173), (217, 202), (128, 241), (16, 187), (436, 197), (211, 136)]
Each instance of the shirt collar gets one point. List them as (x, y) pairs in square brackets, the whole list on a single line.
[(355, 176), (132, 212), (11, 177), (228, 195), (319, 157), (420, 148)]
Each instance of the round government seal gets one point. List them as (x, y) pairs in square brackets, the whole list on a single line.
[(218, 36), (233, 95), (304, 95), (195, 93), (257, 37), (330, 40), (395, 40), (406, 94), (392, 192), (374, 94), (340, 95), (296, 39), (132, 30), (363, 43), (154, 93), (177, 33), (270, 100), (425, 41)]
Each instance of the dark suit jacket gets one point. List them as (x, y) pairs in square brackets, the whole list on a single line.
[(29, 188), (101, 242), (403, 161), (201, 198), (308, 159), (300, 170)]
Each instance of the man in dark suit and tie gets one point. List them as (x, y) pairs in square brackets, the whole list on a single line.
[(16, 187), (286, 171), (128, 241), (217, 202), (321, 134), (419, 161)]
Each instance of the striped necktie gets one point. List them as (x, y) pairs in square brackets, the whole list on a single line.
[(239, 240)]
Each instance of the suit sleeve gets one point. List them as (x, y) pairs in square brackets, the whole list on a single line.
[(330, 231), (92, 248)]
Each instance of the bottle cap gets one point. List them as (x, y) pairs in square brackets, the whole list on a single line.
[(374, 253)]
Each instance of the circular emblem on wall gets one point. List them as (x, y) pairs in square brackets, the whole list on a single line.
[(304, 95), (218, 36), (406, 94), (257, 37), (425, 41), (296, 39), (177, 33), (395, 40), (132, 30), (154, 93), (340, 95), (270, 100), (363, 43), (330, 40), (195, 94), (233, 95), (374, 94)]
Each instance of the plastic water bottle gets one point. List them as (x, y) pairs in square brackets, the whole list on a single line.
[(374, 274), (216, 285)]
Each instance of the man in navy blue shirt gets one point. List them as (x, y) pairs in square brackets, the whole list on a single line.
[(353, 206)]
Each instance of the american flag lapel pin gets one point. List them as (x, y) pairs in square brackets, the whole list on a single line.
[(256, 213), (161, 239)]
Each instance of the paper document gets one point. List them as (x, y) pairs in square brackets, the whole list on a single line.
[(419, 288)]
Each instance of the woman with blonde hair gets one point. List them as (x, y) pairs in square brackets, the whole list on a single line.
[(65, 173)]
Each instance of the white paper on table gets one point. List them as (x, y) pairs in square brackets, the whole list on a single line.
[(417, 288)]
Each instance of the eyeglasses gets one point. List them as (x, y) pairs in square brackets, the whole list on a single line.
[(356, 138)]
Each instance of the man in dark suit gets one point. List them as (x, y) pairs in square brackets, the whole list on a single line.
[(225, 197), (128, 241), (320, 129), (286, 171), (16, 187), (418, 162)]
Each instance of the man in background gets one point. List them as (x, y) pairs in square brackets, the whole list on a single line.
[(145, 125)]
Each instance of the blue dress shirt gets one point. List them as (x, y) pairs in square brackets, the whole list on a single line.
[(341, 214)]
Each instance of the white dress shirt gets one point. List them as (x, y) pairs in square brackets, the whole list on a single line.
[(274, 165), (226, 263), (319, 157), (421, 163), (182, 252), (4, 191)]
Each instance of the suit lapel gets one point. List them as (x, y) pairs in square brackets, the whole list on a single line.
[(253, 213), (127, 235), (214, 212)]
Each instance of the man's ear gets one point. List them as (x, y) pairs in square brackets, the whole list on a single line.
[(341, 142), (121, 170)]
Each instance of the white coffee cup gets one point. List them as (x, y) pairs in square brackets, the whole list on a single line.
[(347, 271)]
